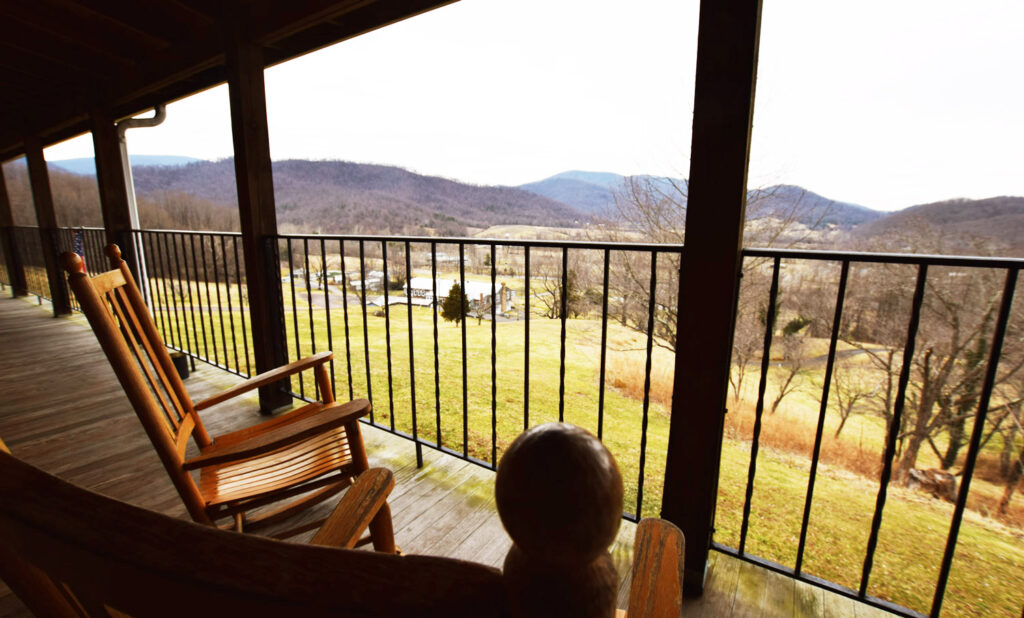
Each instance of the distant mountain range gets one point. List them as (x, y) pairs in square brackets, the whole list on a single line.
[(87, 165), (337, 196), (594, 193)]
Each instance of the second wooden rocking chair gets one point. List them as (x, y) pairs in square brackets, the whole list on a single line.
[(299, 458)]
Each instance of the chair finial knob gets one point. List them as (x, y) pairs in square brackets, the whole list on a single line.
[(72, 262), (113, 251)]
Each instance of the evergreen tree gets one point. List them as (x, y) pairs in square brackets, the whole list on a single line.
[(455, 306)]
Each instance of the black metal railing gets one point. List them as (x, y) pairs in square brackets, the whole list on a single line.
[(458, 389), (956, 298), (88, 242), (194, 284), (565, 319)]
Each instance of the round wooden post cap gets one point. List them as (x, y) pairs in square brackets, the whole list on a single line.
[(559, 494), (71, 262), (113, 251)]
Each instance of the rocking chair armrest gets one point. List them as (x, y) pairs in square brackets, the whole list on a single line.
[(330, 417), (356, 510), (265, 378), (656, 588)]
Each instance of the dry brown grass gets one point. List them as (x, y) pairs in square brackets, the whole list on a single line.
[(625, 372), (793, 433)]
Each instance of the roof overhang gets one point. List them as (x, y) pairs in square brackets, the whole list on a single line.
[(59, 59)]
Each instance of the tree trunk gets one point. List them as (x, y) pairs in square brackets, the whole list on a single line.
[(957, 438), (1011, 483)]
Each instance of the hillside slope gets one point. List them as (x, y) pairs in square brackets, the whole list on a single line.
[(337, 196), (962, 223)]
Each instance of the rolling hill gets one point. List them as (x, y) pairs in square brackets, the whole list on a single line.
[(961, 223), (594, 193), (338, 196)]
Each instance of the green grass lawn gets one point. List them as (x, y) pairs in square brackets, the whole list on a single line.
[(988, 573)]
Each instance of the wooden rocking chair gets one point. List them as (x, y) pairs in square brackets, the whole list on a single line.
[(304, 456)]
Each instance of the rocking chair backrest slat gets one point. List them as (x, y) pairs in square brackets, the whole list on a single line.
[(145, 358), (121, 322)]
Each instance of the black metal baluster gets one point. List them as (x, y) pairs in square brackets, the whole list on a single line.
[(437, 362), (366, 334), (967, 472), (829, 367), (344, 308), (604, 346), (563, 310), (309, 303), (220, 304), (199, 297), (526, 341), (465, 378), (191, 309), (209, 300), (174, 305), (412, 357), (647, 384), (759, 410), (494, 364), (325, 281), (387, 335), (295, 312), (894, 427), (241, 304)]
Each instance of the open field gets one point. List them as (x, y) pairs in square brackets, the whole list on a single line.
[(988, 573)]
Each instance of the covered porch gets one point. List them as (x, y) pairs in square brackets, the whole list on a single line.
[(63, 412)]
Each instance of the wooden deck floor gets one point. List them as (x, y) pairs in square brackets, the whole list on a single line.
[(62, 410)]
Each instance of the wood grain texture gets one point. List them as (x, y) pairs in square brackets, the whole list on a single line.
[(657, 576)]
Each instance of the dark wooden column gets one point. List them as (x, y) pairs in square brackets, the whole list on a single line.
[(39, 179), (256, 208), (15, 269), (723, 108), (111, 183)]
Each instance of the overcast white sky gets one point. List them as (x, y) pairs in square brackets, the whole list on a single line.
[(881, 103)]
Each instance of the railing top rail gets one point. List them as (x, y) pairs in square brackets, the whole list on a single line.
[(888, 258), (194, 232), (503, 242)]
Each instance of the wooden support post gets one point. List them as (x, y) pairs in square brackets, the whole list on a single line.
[(709, 279), (110, 180), (39, 179), (256, 210), (11, 258)]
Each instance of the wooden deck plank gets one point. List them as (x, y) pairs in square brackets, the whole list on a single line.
[(62, 410), (808, 600)]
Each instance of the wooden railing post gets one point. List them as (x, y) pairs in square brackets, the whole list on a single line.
[(15, 269), (39, 179), (559, 494), (256, 209), (110, 180), (710, 269)]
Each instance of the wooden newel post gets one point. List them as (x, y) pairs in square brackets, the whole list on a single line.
[(559, 494)]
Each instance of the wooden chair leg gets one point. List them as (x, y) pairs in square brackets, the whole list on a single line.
[(382, 532)]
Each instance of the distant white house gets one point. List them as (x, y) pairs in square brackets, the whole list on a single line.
[(421, 292)]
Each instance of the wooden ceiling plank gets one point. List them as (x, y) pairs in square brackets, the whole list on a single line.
[(100, 36), (30, 38), (107, 23)]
